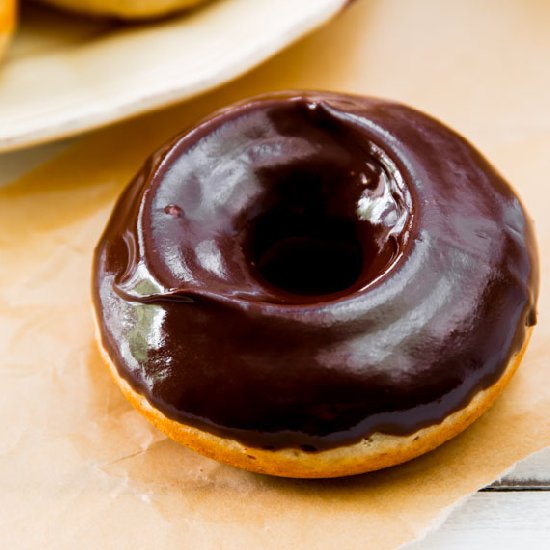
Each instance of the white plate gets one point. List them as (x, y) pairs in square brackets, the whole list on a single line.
[(66, 74)]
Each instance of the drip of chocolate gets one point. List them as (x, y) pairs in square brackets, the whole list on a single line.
[(303, 270)]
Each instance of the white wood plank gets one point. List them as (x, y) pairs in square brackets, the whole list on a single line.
[(507, 521), (534, 471)]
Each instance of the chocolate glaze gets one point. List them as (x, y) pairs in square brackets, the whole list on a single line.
[(305, 269)]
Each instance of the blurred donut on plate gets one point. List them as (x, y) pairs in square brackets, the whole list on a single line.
[(8, 10), (125, 9)]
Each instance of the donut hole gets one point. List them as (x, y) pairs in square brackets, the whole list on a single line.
[(316, 260), (308, 240)]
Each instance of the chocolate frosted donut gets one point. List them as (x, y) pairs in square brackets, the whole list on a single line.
[(313, 284)]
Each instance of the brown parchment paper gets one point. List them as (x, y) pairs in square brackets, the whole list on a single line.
[(80, 469)]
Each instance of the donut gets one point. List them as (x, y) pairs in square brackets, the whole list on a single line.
[(8, 12), (312, 284), (124, 9)]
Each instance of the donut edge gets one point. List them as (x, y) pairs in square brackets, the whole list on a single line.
[(8, 16), (124, 9), (373, 453)]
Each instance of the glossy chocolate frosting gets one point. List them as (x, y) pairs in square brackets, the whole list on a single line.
[(306, 269)]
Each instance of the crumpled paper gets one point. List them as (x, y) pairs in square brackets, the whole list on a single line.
[(80, 469)]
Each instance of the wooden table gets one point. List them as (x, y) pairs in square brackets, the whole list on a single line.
[(511, 514)]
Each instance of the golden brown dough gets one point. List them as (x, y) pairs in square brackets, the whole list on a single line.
[(8, 10), (125, 9), (377, 452)]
